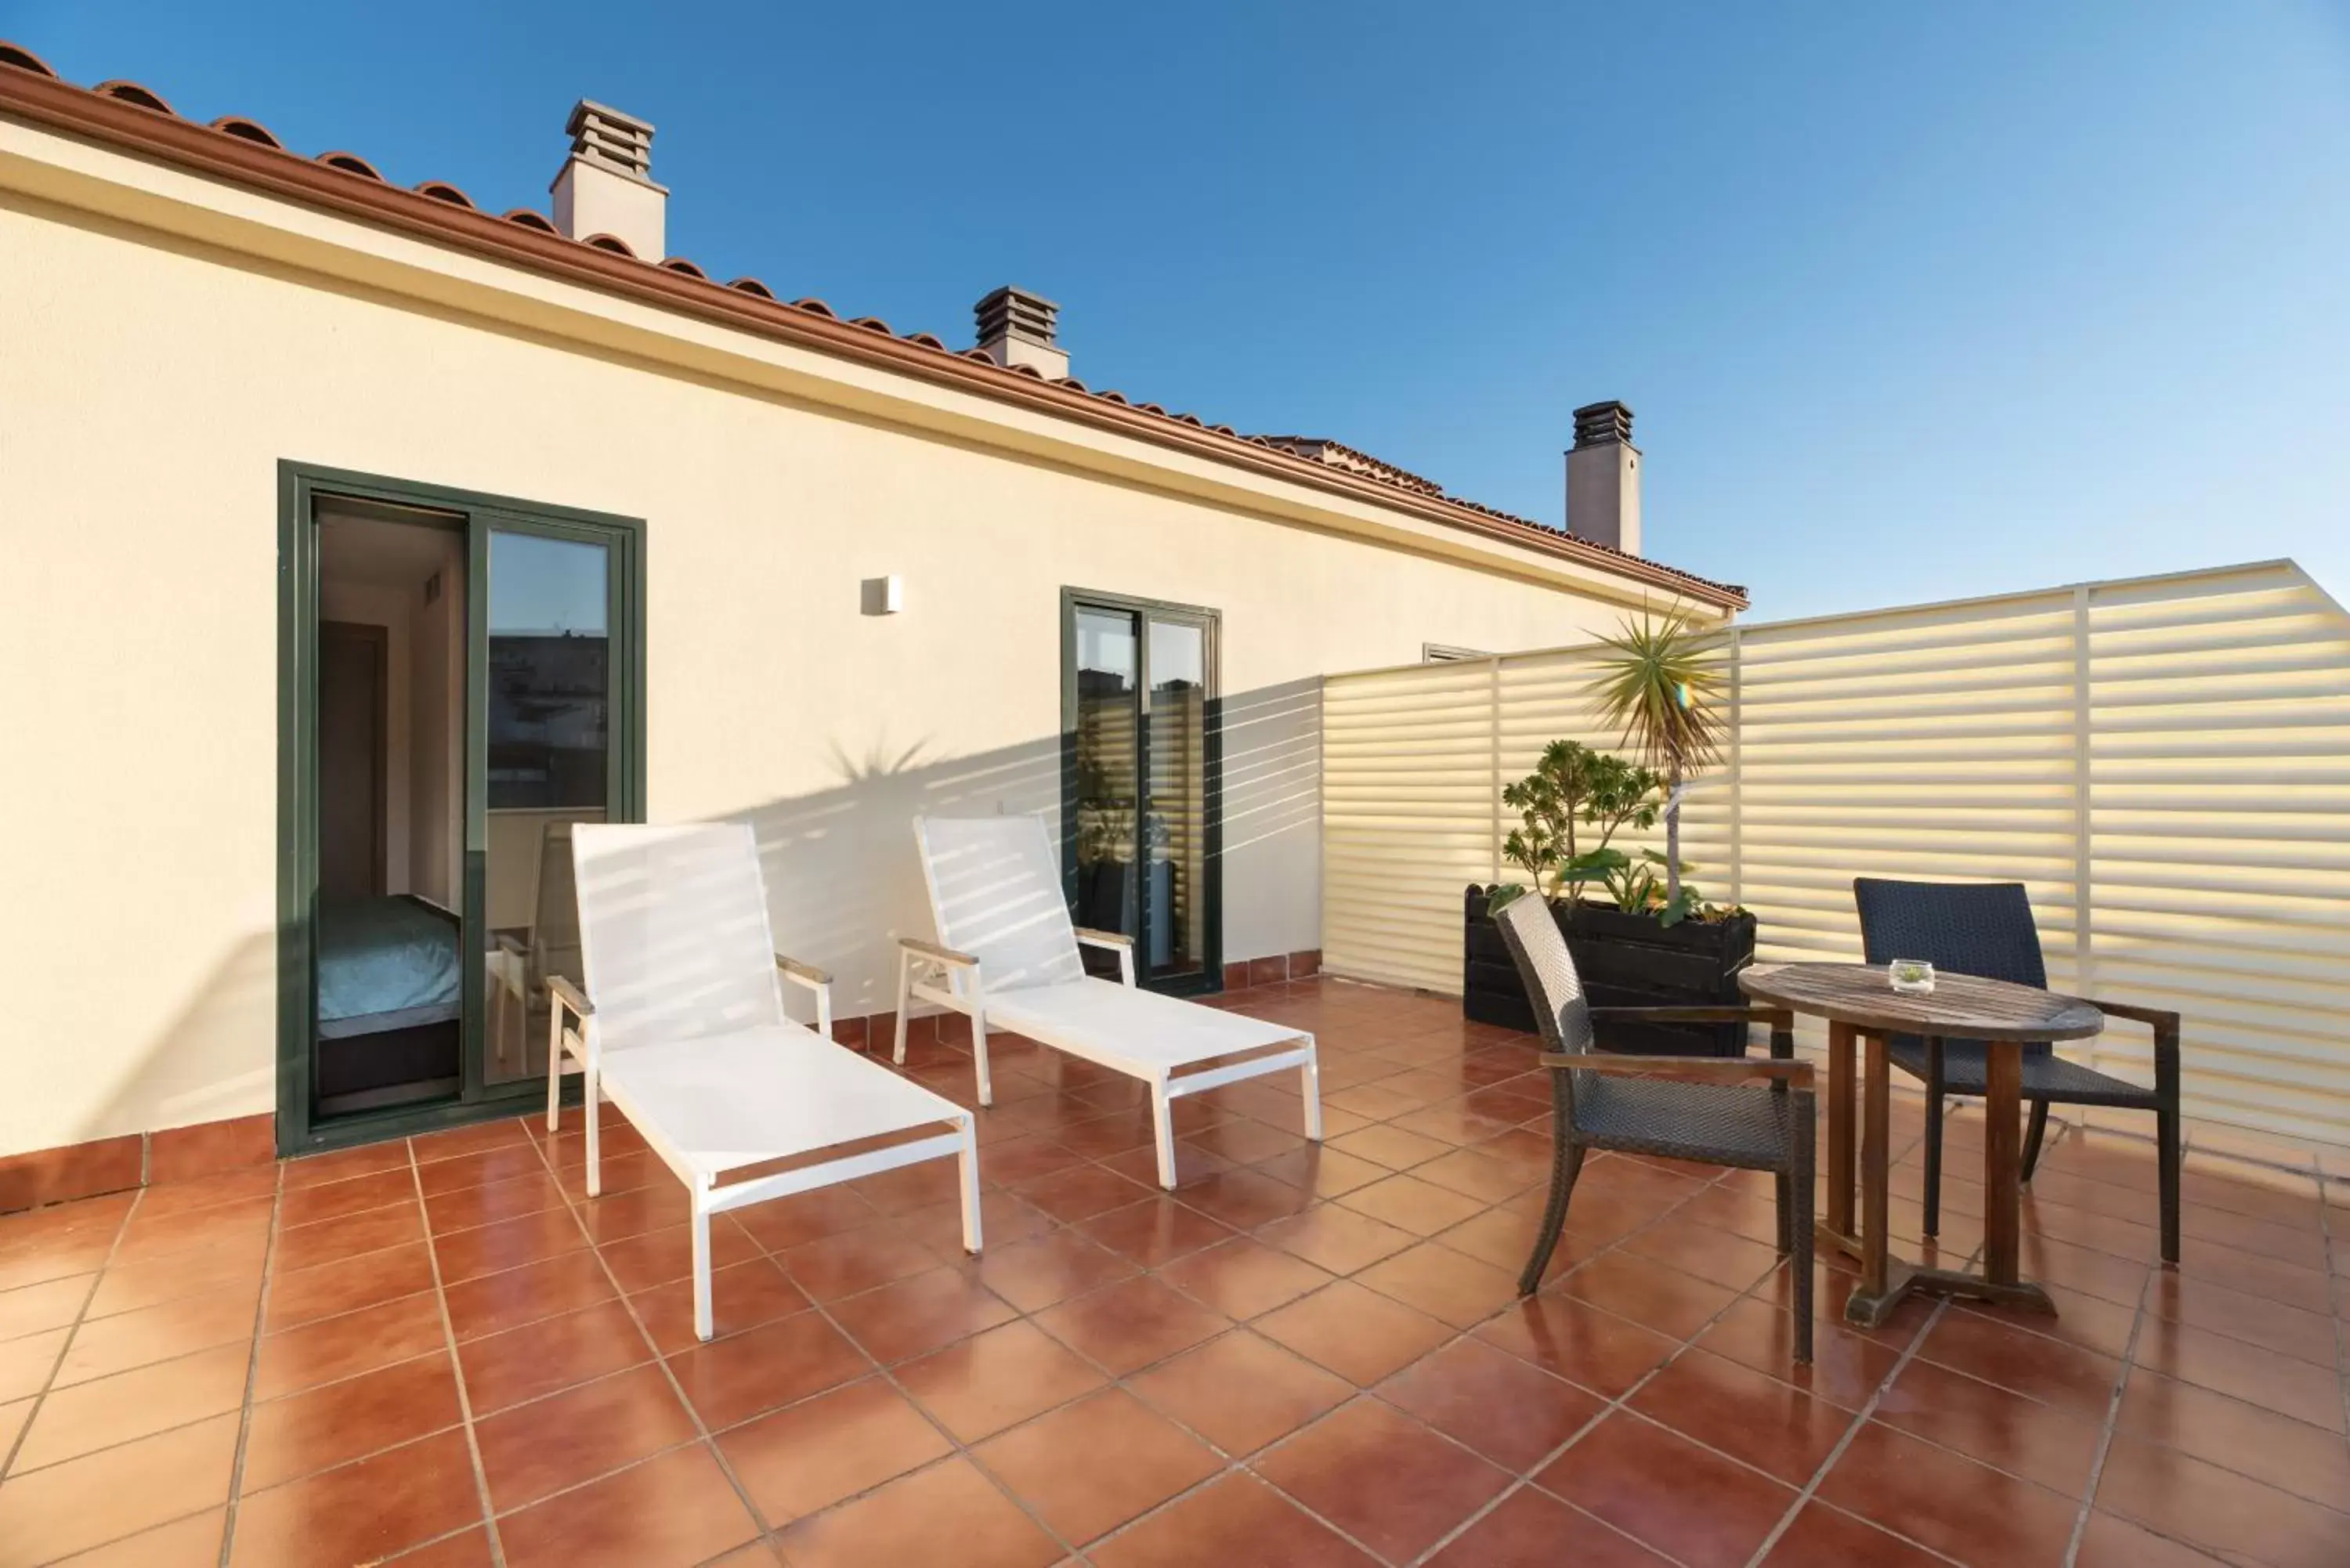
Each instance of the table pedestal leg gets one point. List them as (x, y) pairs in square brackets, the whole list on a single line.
[(1840, 1128)]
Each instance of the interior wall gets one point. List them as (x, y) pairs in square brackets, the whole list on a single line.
[(772, 698), (437, 758), (368, 604)]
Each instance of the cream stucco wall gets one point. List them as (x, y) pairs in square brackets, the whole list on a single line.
[(154, 380)]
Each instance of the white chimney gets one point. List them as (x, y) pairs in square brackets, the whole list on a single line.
[(606, 186), (1603, 478), (1016, 328)]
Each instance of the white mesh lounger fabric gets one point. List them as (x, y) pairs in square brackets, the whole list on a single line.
[(1006, 958), (682, 1027)]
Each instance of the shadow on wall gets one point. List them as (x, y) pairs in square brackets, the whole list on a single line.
[(844, 882)]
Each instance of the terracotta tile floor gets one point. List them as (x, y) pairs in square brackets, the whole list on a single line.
[(443, 1352)]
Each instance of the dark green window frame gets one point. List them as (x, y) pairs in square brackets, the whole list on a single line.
[(300, 486), (1211, 977)]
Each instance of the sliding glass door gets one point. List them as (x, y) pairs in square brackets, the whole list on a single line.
[(1140, 763), (460, 683)]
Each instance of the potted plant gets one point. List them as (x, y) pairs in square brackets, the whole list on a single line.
[(1641, 935)]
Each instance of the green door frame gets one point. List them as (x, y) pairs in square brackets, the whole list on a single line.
[(1212, 805), (300, 486)]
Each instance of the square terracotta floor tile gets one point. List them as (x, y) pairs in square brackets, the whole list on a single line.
[(1356, 1333), (334, 1241), (1995, 1426), (1155, 1231), (1652, 1294), (982, 1385), (1241, 1392), (1687, 1502), (1246, 1141), (782, 1223), (2218, 1510), (1244, 1200), (1080, 1192), (1386, 1480), (1236, 1522), (544, 1357), (848, 1262), (1772, 1426), (1448, 1286), (729, 1380), (341, 1164), (340, 1200), (507, 1244), (1475, 1173), (947, 1513), (362, 1511), (342, 1346), (1422, 1208), (26, 1364), (127, 1287), (1581, 1344), (1129, 1325), (1946, 1502), (1003, 1220), (1391, 1146), (105, 1346), (2199, 1303), (466, 1207), (741, 1296), (534, 1450), (1024, 1158), (917, 1315), (1825, 1537), (1088, 1468), (100, 1497), (2111, 1541), (2247, 1372), (56, 1304), (1243, 1278), (1729, 1261), (1845, 1368), (1335, 1239), (671, 1511), (195, 1539), (288, 1439), (305, 1296), (2306, 1460), (1034, 1273), (1508, 1410), (2053, 1372), (226, 1225), (98, 1414), (802, 1459), (1530, 1529), (496, 1302)]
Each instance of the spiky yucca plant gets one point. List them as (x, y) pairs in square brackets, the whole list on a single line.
[(1657, 682)]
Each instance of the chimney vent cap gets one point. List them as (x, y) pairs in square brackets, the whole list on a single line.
[(1598, 423), (1010, 312), (607, 136)]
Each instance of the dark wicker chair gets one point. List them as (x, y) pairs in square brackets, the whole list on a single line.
[(1986, 929), (1710, 1115)]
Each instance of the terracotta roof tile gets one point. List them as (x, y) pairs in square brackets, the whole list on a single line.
[(1328, 455)]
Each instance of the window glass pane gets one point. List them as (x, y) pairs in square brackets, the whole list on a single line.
[(1107, 710), (1177, 817)]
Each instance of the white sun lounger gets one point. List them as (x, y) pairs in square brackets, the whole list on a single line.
[(682, 1026), (1006, 958)]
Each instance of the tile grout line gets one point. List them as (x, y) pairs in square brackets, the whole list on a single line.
[(2109, 1426), (456, 1366), (252, 1371), (81, 1315), (2335, 1295)]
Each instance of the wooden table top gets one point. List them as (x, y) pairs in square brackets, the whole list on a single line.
[(1960, 1007)]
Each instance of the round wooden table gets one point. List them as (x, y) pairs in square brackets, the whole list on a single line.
[(1860, 1003)]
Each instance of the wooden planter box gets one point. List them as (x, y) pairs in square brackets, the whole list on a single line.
[(1626, 960)]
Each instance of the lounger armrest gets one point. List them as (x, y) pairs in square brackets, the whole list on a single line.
[(936, 953), (567, 995), (1094, 938), (807, 974), (1727, 1068)]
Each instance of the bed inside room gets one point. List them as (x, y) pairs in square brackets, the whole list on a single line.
[(388, 938)]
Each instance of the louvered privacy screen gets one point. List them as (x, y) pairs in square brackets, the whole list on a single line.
[(2171, 752)]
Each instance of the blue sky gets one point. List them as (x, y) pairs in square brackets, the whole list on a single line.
[(1911, 301)]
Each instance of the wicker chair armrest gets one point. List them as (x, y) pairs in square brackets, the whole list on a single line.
[(2154, 1018), (567, 995), (1096, 939), (2165, 1025), (936, 953), (1726, 1068)]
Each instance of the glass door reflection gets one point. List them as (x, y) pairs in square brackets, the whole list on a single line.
[(549, 764)]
